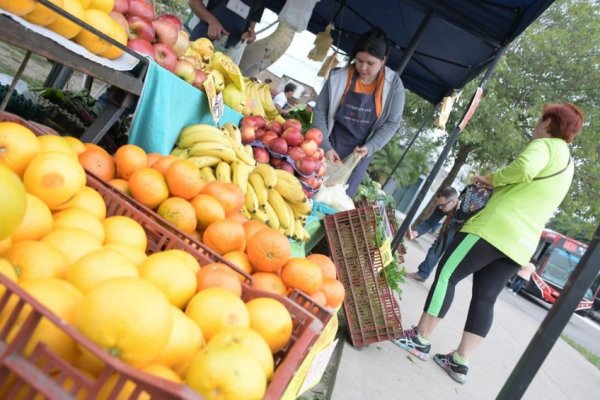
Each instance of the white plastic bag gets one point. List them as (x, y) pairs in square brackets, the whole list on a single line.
[(335, 196), (296, 13), (339, 173)]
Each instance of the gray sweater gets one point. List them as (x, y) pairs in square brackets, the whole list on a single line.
[(386, 125)]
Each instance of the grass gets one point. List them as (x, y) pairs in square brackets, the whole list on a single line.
[(591, 357)]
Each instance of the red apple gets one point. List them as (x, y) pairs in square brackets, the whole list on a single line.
[(276, 162), (165, 56), (322, 170), (255, 121), (278, 145), (296, 153), (286, 166), (199, 79), (259, 133), (261, 154), (182, 43), (166, 32), (268, 136), (248, 134), (141, 46), (141, 9), (321, 152), (275, 127), (306, 166), (140, 28), (309, 147), (292, 137), (185, 70), (191, 59), (171, 18), (314, 134), (120, 19), (292, 123), (121, 6)]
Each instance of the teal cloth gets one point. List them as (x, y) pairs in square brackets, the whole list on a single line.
[(166, 105)]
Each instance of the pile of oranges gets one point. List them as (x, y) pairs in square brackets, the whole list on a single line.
[(191, 323)]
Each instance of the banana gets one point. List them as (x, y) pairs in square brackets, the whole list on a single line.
[(214, 149), (291, 193), (267, 101), (223, 172), (300, 233), (261, 215), (272, 216), (207, 174), (257, 108), (289, 231), (286, 176), (301, 208), (195, 127), (259, 187), (268, 174), (180, 153), (249, 150), (280, 208), (246, 213), (233, 132), (239, 175), (250, 200), (205, 161), (240, 153), (192, 137)]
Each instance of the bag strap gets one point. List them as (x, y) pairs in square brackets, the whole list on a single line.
[(537, 178)]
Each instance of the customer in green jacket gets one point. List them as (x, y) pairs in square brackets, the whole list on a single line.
[(497, 241)]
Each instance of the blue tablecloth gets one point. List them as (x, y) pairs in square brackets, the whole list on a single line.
[(166, 105)]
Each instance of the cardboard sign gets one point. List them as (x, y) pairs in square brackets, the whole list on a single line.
[(215, 100)]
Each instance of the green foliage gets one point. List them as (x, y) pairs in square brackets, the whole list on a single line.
[(370, 191), (180, 8), (301, 114), (572, 226)]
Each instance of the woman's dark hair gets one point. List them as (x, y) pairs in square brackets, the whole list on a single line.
[(374, 42), (566, 120)]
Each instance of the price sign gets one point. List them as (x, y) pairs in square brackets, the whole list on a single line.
[(318, 366), (215, 100), (386, 252)]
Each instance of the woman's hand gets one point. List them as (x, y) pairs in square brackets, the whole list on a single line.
[(333, 156), (216, 30), (482, 180), (249, 36), (362, 151)]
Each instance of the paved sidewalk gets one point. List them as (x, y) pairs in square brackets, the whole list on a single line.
[(383, 371)]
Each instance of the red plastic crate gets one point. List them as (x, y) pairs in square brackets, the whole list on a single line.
[(372, 313), (308, 319)]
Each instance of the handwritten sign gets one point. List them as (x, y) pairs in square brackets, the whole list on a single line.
[(215, 100), (318, 366)]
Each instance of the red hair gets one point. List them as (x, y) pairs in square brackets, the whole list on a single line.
[(565, 120)]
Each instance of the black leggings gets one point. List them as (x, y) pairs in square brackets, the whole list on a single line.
[(469, 254)]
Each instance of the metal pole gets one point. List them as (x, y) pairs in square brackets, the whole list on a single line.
[(554, 323), (14, 82), (442, 157), (414, 42), (412, 141)]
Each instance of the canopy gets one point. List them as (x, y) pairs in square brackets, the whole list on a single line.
[(460, 40)]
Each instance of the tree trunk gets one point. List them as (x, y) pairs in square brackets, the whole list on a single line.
[(459, 161), (261, 54)]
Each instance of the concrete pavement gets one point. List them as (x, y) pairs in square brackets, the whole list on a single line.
[(383, 371)]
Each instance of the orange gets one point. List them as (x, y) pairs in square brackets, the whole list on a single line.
[(90, 200), (5, 244), (163, 164), (54, 143), (269, 282), (125, 230), (319, 297), (178, 212), (18, 146), (36, 260), (184, 179), (18, 7), (302, 274), (240, 260), (327, 266), (72, 242), (98, 266), (207, 209), (229, 195), (268, 250), (37, 222), (148, 187), (225, 236), (55, 178), (334, 292), (102, 5), (134, 254), (189, 259), (80, 219), (252, 341), (8, 271), (216, 309), (237, 216), (75, 143), (251, 227), (153, 157), (13, 202), (185, 340), (271, 320), (102, 22), (219, 275), (128, 317), (230, 370), (162, 371), (120, 36), (98, 162), (169, 273), (121, 185), (42, 15), (130, 158)]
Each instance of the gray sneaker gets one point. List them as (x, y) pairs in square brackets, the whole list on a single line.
[(456, 371), (410, 342)]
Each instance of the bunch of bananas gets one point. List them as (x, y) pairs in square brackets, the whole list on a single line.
[(258, 100), (275, 197)]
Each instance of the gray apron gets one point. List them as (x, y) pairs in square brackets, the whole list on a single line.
[(354, 120)]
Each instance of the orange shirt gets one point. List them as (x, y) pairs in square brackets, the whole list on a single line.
[(376, 86)]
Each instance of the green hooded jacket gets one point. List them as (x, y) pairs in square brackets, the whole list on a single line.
[(513, 219)]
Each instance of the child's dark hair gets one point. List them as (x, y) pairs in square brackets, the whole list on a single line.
[(374, 42)]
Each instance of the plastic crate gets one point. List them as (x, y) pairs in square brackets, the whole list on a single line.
[(371, 309)]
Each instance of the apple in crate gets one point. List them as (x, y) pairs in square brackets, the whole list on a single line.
[(292, 136), (121, 6), (121, 20), (286, 166), (248, 134), (166, 31), (172, 19), (141, 8), (185, 70), (256, 121), (261, 155), (259, 133), (275, 127), (278, 145), (199, 79), (292, 123), (309, 146), (141, 46), (314, 134), (268, 136), (306, 165), (165, 56), (181, 44), (140, 28), (296, 153)]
